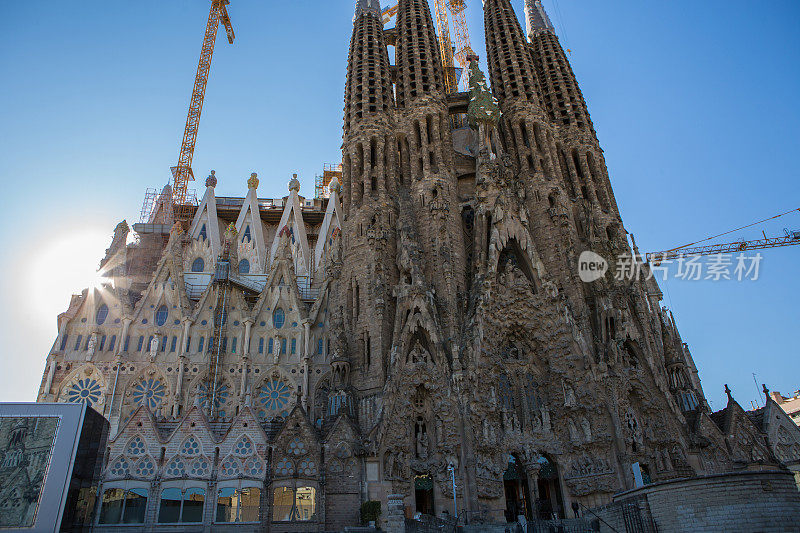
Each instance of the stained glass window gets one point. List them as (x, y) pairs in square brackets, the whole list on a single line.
[(161, 315), (136, 447), (102, 313), (307, 468), (220, 399), (244, 446), (278, 318), (176, 467), (244, 266), (284, 468), (190, 447), (274, 395), (198, 265), (85, 390), (230, 467), (145, 468), (200, 467), (149, 392), (120, 468), (297, 447), (253, 467)]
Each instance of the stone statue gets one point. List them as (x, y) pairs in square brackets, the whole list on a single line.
[(574, 436), (91, 347), (569, 396), (153, 348), (422, 441), (587, 430)]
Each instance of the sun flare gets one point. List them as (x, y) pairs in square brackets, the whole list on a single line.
[(64, 265)]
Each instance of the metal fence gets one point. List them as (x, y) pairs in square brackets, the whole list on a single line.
[(569, 525), (430, 524)]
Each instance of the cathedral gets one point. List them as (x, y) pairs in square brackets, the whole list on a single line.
[(419, 333)]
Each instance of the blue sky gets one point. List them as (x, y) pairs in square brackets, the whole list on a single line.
[(695, 105)]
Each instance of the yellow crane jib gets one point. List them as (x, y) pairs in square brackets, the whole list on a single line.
[(182, 172)]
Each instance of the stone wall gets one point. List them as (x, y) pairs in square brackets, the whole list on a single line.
[(739, 502)]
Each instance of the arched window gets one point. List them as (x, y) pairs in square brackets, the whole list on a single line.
[(102, 313), (244, 266), (278, 318), (203, 235), (246, 234), (161, 315), (198, 265)]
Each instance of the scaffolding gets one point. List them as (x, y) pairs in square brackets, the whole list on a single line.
[(157, 207), (329, 171)]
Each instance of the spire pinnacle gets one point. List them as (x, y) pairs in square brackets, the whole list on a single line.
[(367, 6), (536, 18)]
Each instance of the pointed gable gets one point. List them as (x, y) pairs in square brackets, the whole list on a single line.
[(167, 286), (297, 447), (292, 224), (205, 224), (331, 226), (250, 229)]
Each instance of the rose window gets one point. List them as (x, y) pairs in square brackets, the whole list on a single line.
[(149, 392), (220, 399), (84, 391), (274, 395)]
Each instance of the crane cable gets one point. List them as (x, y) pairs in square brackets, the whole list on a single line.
[(733, 230)]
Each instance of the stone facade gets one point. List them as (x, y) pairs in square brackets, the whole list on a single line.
[(280, 361)]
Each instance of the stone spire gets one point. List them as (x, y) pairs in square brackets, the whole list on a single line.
[(369, 86), (557, 83), (536, 18), (372, 7), (419, 60), (510, 65)]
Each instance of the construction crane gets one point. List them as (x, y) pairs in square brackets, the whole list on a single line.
[(182, 173), (790, 238), (463, 48)]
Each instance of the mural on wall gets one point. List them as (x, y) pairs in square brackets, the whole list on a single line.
[(26, 444)]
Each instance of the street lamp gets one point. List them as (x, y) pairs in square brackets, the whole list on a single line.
[(452, 469)]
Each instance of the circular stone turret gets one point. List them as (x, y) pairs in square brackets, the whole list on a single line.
[(294, 183), (252, 183), (211, 181)]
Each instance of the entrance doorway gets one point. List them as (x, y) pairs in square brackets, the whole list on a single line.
[(549, 503), (423, 495), (518, 498)]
